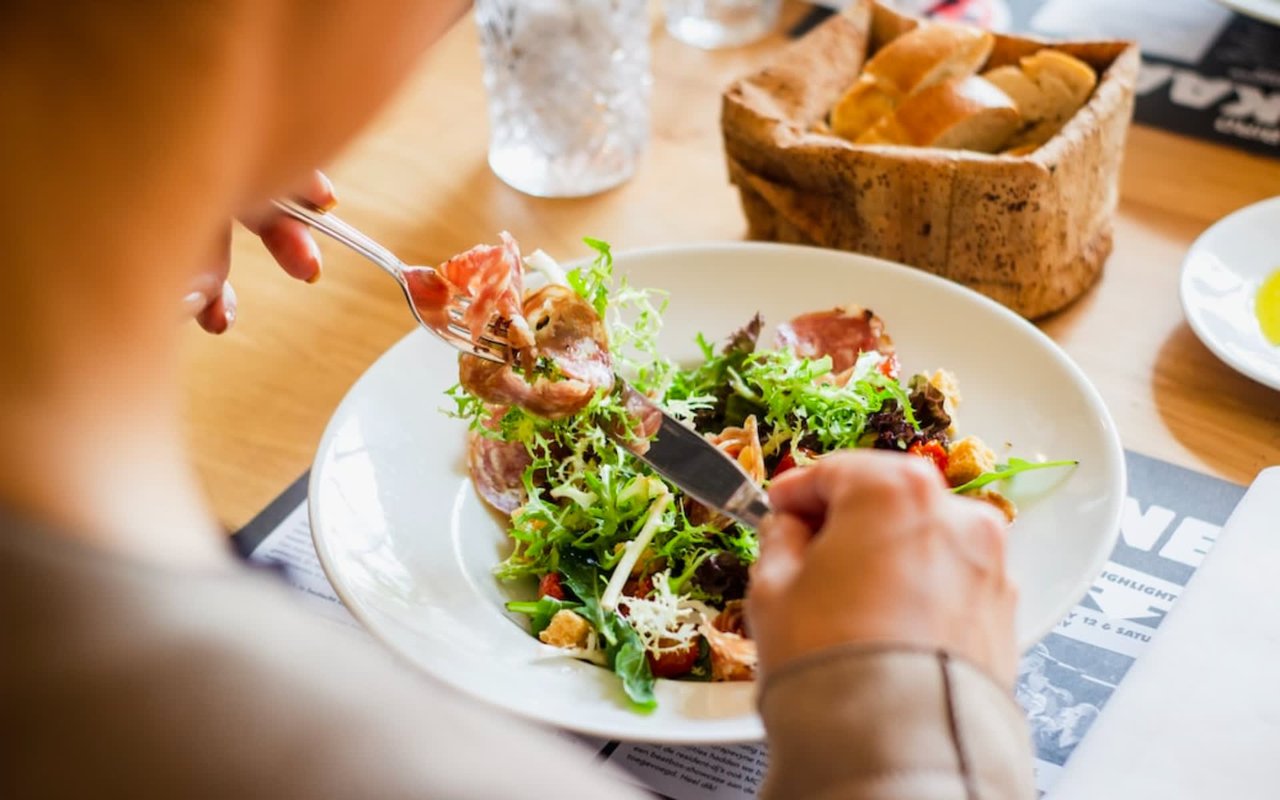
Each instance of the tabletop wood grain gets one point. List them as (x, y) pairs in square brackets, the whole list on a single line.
[(258, 398)]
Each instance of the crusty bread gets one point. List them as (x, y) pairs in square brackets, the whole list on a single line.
[(1010, 79), (928, 55), (961, 114), (1067, 80), (1048, 87), (1030, 231), (866, 102)]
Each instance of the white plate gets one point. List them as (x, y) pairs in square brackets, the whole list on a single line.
[(1265, 10), (1220, 279), (409, 546)]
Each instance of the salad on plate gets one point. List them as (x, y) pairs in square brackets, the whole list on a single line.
[(630, 573)]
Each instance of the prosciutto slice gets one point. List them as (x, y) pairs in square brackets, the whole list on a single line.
[(734, 657), (841, 333), (491, 276), (567, 362)]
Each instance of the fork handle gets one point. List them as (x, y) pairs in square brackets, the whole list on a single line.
[(347, 234)]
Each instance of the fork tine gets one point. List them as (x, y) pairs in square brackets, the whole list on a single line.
[(497, 328), (497, 346), (487, 341), (456, 335), (461, 340)]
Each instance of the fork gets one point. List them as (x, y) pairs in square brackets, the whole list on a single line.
[(455, 335), (678, 453)]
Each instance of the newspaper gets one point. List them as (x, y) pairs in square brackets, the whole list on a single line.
[(1172, 517), (1206, 72)]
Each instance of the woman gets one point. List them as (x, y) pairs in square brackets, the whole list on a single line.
[(141, 660)]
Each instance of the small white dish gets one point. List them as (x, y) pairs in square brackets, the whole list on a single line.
[(1265, 10), (409, 546), (1220, 278)]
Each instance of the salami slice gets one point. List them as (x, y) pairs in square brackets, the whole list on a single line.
[(841, 333), (497, 469)]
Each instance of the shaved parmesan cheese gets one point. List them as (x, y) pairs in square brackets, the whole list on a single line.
[(591, 653), (662, 621)]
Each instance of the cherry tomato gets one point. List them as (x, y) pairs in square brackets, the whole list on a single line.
[(638, 587), (674, 663), (788, 461), (931, 450), (550, 586)]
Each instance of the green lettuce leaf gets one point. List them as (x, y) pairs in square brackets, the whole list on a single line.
[(591, 282)]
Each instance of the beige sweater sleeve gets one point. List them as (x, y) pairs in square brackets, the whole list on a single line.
[(873, 723)]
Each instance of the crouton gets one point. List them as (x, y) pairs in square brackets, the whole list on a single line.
[(967, 459), (998, 500), (567, 629)]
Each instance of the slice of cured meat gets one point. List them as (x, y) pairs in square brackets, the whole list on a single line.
[(559, 374), (841, 333), (491, 276), (733, 656), (743, 444), (497, 470)]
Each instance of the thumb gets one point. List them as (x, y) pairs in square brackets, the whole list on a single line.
[(784, 539)]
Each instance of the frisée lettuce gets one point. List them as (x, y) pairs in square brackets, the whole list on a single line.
[(633, 574)]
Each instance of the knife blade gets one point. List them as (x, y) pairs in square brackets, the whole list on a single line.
[(693, 464)]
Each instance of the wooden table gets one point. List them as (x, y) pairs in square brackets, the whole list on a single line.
[(259, 397)]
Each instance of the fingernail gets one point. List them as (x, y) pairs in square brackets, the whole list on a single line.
[(314, 250), (194, 303), (331, 198), (229, 305)]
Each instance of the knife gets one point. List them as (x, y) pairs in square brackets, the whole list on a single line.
[(694, 465)]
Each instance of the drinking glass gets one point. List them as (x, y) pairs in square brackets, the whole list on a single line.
[(711, 24), (568, 87)]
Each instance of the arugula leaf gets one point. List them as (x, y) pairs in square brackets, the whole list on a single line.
[(541, 611), (702, 667), (632, 666), (1016, 466), (623, 650), (583, 579)]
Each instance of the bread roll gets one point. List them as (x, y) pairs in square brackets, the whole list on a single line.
[(1048, 87), (867, 101), (1066, 80), (962, 114), (928, 55), (1031, 102)]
